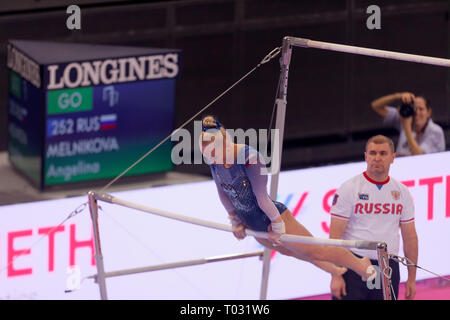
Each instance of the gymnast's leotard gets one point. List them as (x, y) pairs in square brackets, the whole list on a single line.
[(243, 189)]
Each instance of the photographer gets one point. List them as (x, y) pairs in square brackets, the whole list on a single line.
[(418, 133)]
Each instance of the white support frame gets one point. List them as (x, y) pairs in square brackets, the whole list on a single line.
[(93, 209), (281, 102), (101, 275)]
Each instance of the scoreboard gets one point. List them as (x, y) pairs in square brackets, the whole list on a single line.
[(73, 119)]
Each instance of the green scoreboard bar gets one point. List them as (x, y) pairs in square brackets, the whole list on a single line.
[(80, 112)]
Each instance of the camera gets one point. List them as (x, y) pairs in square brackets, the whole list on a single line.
[(407, 110)]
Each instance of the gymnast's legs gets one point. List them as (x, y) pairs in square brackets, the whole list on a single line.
[(322, 256)]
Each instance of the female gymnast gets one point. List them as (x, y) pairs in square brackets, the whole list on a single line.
[(236, 169)]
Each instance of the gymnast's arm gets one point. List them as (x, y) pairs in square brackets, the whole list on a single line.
[(235, 221), (259, 186)]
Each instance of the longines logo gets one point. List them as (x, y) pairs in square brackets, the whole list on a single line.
[(110, 71)]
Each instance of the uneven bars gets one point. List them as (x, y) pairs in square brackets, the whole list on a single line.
[(360, 244), (307, 43), (180, 264)]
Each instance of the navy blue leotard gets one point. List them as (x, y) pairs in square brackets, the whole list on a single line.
[(243, 189)]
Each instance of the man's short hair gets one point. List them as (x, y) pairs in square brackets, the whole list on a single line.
[(380, 139)]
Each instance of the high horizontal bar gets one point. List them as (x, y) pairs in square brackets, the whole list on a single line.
[(360, 244), (307, 43)]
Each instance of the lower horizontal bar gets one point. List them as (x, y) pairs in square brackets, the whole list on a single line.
[(179, 264)]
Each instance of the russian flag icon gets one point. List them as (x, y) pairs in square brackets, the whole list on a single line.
[(108, 121)]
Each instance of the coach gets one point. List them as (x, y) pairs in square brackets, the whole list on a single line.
[(374, 206)]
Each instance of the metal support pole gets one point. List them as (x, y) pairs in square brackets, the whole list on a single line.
[(265, 273), (277, 150), (385, 270), (93, 208)]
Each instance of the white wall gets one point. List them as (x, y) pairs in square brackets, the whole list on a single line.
[(133, 239)]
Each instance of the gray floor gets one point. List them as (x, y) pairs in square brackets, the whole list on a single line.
[(14, 188)]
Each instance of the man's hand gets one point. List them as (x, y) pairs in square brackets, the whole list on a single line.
[(410, 287), (239, 231), (411, 250), (337, 286)]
